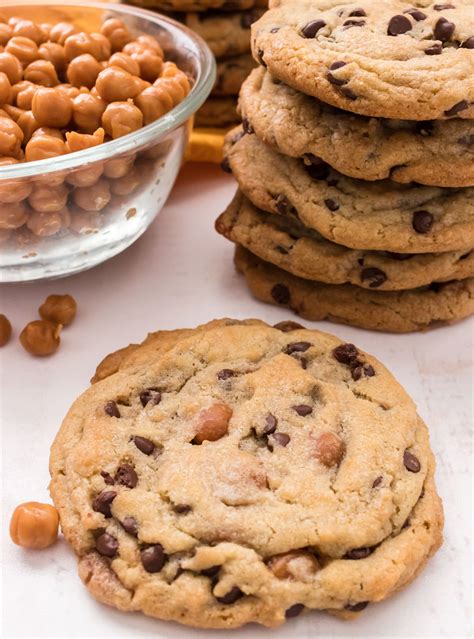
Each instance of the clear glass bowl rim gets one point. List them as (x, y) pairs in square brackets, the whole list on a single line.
[(155, 130)]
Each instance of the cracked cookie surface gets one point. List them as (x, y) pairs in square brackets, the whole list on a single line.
[(391, 311), (292, 247), (437, 153), (384, 59), (247, 473), (382, 216)]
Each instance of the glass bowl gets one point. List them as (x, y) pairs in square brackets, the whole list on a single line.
[(114, 190)]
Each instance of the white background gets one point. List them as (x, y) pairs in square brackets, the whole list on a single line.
[(181, 274)]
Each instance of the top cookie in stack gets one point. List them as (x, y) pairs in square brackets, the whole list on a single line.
[(225, 26), (356, 162)]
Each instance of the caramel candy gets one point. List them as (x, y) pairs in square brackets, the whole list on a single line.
[(213, 423), (34, 525)]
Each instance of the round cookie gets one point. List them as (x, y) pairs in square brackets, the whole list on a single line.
[(218, 112), (384, 59), (227, 34), (245, 475), (289, 245), (439, 153), (392, 311), (231, 73), (194, 5), (381, 216)]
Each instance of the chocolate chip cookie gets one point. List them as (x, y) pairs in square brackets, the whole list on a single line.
[(387, 59), (438, 153), (286, 243), (226, 33), (390, 311), (247, 474), (218, 112), (381, 216), (231, 72)]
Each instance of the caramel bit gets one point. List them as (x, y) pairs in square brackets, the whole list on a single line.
[(34, 525), (60, 309), (5, 330), (297, 565), (330, 449), (213, 423), (41, 337)]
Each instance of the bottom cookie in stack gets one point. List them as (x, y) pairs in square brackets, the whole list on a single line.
[(239, 473), (377, 255)]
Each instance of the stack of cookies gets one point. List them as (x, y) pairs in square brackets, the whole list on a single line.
[(239, 473), (225, 26), (355, 162)]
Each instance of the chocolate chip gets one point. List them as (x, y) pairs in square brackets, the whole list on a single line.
[(302, 409), (443, 7), (332, 205), (468, 44), (213, 571), (294, 610), (360, 13), (377, 482), (346, 354), (297, 347), (444, 29), (106, 545), (108, 479), (103, 501), (247, 127), (225, 373), (182, 509), (284, 206), (280, 294), (457, 108), (359, 553), (271, 424), (288, 326), (399, 25), (422, 221), (349, 93), (282, 439), (416, 14), (111, 409), (311, 29), (282, 250), (126, 476), (318, 169), (357, 607), (231, 597), (150, 395), (153, 558), (130, 525), (436, 49), (144, 445), (358, 370), (411, 462), (225, 165), (374, 276), (334, 66), (354, 23)]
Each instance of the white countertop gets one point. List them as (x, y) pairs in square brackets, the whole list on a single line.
[(181, 274)]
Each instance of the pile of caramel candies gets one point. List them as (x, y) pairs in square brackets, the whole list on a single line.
[(64, 90)]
